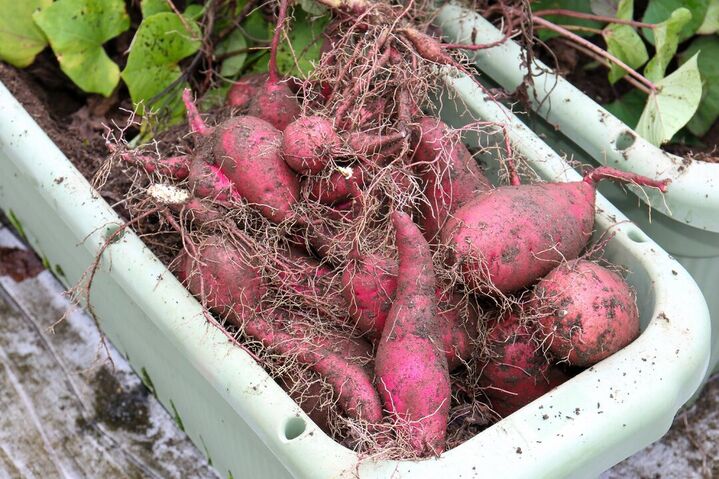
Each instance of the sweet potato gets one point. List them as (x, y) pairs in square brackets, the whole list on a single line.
[(245, 89), (450, 175), (587, 312), (337, 187), (224, 278), (509, 237), (247, 150), (458, 327), (517, 372), (176, 167), (274, 101), (208, 181), (309, 143), (369, 283), (410, 367), (229, 283)]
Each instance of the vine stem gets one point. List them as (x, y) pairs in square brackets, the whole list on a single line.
[(589, 16), (590, 46)]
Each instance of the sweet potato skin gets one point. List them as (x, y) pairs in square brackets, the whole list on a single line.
[(241, 92), (587, 312), (410, 367), (513, 235), (276, 104), (308, 144), (517, 372), (224, 278), (369, 284), (451, 176), (247, 150)]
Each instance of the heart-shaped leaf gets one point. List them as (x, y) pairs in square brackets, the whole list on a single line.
[(20, 39), (711, 19), (708, 112), (624, 42), (162, 40), (233, 44), (297, 57), (666, 39), (673, 105), (660, 10), (151, 7), (76, 30)]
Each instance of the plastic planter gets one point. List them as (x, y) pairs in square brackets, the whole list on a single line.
[(685, 222), (250, 428)]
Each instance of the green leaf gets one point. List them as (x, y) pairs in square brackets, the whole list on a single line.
[(232, 65), (20, 39), (708, 112), (76, 30), (624, 42), (629, 107), (673, 105), (214, 97), (711, 19), (151, 7), (194, 11), (256, 27), (607, 8), (666, 36), (159, 44), (312, 7), (581, 6), (660, 10), (296, 58)]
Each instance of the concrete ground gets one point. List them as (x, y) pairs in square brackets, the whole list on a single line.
[(70, 412)]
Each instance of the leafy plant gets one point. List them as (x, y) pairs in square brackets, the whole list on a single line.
[(660, 104)]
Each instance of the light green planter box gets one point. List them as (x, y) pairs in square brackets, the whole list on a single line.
[(250, 428), (685, 221)]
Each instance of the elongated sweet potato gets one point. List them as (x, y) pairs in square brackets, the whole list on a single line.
[(229, 283), (509, 237), (451, 176), (410, 367), (587, 312)]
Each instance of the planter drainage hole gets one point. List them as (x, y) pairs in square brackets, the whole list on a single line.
[(111, 230), (294, 427), (636, 236), (624, 140)]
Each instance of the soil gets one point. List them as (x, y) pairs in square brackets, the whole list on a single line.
[(77, 123), (593, 82)]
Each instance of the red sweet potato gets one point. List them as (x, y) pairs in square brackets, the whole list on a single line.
[(275, 102), (176, 167), (369, 283), (224, 278), (410, 367), (587, 312), (247, 150), (517, 372), (208, 181), (458, 327), (245, 89), (229, 283), (513, 235), (309, 143), (337, 187), (450, 175)]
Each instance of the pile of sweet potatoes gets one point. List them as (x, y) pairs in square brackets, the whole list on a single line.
[(355, 245)]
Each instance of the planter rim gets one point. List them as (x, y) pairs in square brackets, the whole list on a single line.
[(693, 195)]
